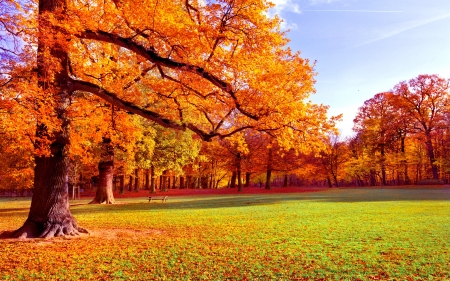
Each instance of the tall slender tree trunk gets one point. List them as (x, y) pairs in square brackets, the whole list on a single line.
[(181, 182), (147, 180), (285, 182), (430, 152), (247, 179), (49, 214), (152, 180), (121, 184), (130, 183), (104, 192), (174, 182), (269, 169), (239, 172), (136, 180), (383, 166), (233, 180)]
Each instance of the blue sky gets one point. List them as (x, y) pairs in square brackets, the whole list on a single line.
[(364, 47)]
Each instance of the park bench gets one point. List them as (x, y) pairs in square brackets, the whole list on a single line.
[(152, 198)]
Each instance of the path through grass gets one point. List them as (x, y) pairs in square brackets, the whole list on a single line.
[(332, 235)]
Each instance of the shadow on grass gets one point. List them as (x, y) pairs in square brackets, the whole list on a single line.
[(239, 201), (248, 200)]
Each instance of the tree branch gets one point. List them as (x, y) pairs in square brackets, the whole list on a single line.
[(151, 55)]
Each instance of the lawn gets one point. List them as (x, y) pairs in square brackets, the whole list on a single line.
[(337, 234)]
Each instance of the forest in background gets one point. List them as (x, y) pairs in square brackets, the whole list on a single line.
[(401, 138)]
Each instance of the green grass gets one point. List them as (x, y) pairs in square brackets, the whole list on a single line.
[(351, 234)]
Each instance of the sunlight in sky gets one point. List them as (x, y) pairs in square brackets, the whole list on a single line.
[(363, 48)]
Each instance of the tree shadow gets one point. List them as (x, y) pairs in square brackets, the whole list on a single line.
[(248, 200)]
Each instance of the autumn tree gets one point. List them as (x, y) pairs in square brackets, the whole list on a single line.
[(333, 157), (425, 98), (215, 68), (376, 124)]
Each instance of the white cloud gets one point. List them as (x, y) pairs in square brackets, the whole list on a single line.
[(282, 6), (285, 5)]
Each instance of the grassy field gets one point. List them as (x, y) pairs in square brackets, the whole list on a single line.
[(351, 234)]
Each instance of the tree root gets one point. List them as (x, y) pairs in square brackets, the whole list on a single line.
[(105, 201), (49, 230)]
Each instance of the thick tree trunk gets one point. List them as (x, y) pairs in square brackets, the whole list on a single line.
[(104, 192), (49, 212), (335, 179), (330, 185)]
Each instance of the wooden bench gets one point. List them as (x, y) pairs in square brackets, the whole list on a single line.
[(163, 199)]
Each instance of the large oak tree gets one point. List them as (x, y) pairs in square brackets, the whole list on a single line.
[(215, 68)]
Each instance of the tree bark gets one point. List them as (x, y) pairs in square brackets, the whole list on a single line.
[(239, 172), (247, 179), (285, 183), (430, 152), (130, 183), (182, 182), (269, 169), (152, 180), (104, 192), (233, 180), (49, 214), (122, 184), (147, 180), (136, 180)]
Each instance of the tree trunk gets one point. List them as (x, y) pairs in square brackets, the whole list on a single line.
[(147, 180), (269, 169), (122, 184), (104, 192), (181, 182), (335, 179), (188, 182), (239, 172), (285, 183), (239, 177), (247, 179), (130, 183), (330, 185), (430, 152), (136, 180), (383, 166), (152, 180), (49, 214), (233, 180)]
